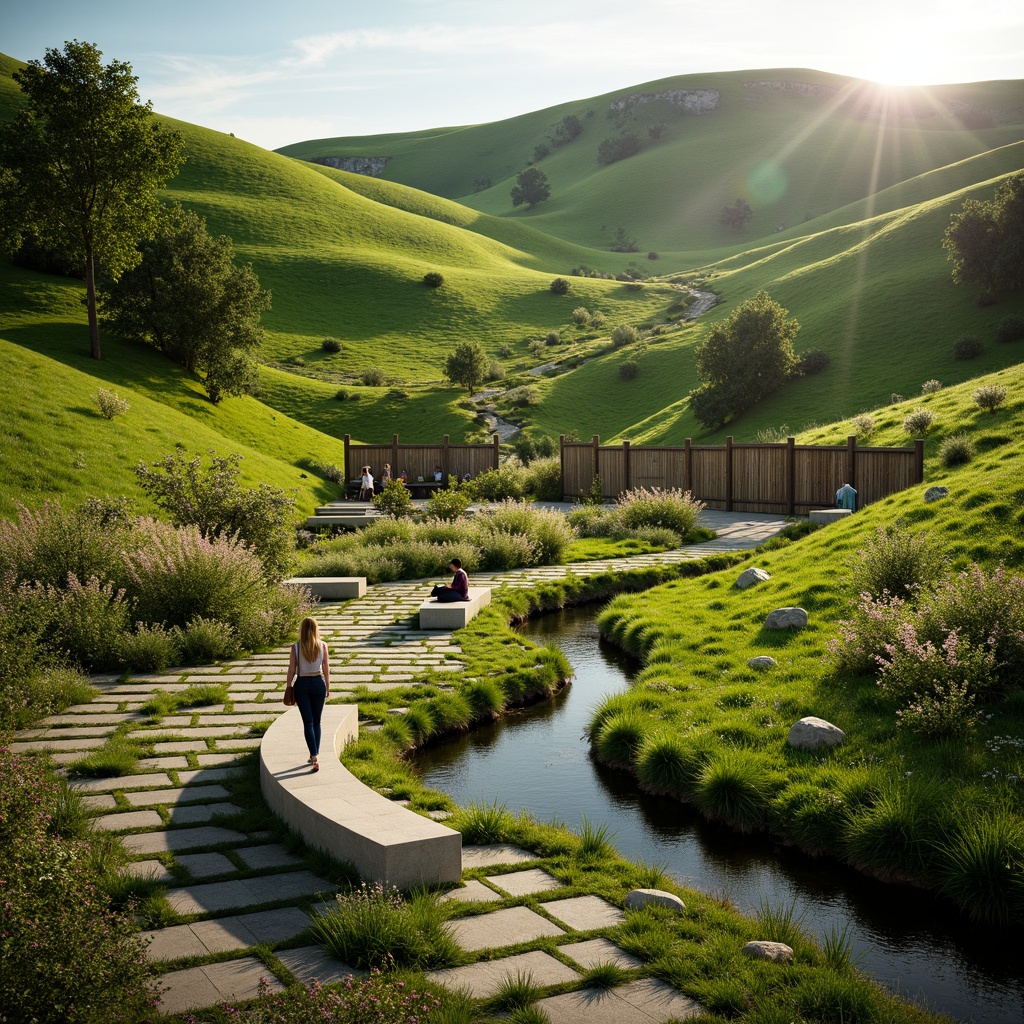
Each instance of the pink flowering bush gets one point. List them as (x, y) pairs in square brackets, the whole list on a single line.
[(66, 957), (377, 999), (946, 710), (876, 622)]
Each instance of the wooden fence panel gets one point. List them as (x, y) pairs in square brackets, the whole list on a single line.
[(611, 467), (662, 468), (708, 483), (421, 460), (881, 471), (577, 470), (819, 473), (759, 478)]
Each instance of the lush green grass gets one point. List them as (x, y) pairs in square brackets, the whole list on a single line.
[(702, 725)]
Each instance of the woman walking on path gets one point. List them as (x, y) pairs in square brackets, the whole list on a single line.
[(309, 661)]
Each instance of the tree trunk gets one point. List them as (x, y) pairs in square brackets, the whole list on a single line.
[(90, 299)]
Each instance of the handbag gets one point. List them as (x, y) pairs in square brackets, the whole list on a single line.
[(289, 696)]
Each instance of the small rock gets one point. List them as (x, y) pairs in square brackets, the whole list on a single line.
[(935, 494), (398, 711), (786, 618), (764, 950), (652, 897), (761, 663), (810, 733), (749, 577)]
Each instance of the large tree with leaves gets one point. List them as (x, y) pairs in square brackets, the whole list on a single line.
[(189, 298), (748, 356), (531, 188), (467, 364), (82, 163)]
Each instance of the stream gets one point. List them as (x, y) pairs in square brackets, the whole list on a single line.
[(537, 759)]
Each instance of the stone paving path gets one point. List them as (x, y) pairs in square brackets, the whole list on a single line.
[(232, 889)]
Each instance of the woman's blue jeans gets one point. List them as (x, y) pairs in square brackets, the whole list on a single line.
[(310, 696)]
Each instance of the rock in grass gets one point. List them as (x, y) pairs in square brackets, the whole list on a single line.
[(935, 494), (652, 897), (764, 950), (761, 663), (749, 577), (811, 733), (786, 618)]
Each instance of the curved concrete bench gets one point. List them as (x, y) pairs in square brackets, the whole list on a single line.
[(453, 614), (332, 810)]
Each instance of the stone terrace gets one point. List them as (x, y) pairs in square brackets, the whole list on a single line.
[(232, 888)]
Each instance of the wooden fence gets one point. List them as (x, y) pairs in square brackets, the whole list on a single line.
[(784, 478), (421, 460)]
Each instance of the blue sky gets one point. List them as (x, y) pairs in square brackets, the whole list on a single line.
[(284, 71)]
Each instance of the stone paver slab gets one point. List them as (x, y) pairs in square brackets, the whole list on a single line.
[(201, 865), (276, 925), (180, 747), (214, 896), (472, 892), (119, 782), (176, 795), (311, 963), (128, 819), (522, 883), (640, 1002), (99, 802), (151, 870), (180, 839), (494, 853), (271, 856), (210, 760), (200, 812), (198, 987), (501, 928), (594, 952), (483, 980), (200, 776), (584, 913)]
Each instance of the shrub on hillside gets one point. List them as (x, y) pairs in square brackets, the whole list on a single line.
[(111, 403), (560, 286), (67, 955), (328, 470), (211, 499), (896, 561), (546, 528), (956, 450), (597, 320), (497, 484), (581, 316), (967, 347), (553, 338), (432, 279), (1011, 328), (331, 346), (814, 362), (544, 478), (624, 334), (629, 369), (990, 397), (394, 500), (373, 377), (929, 387), (521, 396), (341, 394), (448, 503), (918, 422), (864, 425)]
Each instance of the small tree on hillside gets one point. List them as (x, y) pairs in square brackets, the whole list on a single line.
[(189, 298), (735, 217), (748, 356), (82, 163), (467, 365), (531, 188)]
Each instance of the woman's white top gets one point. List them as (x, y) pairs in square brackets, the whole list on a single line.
[(310, 668)]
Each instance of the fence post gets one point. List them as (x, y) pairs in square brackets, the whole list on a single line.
[(688, 463), (625, 465), (728, 473), (791, 476), (919, 459), (395, 470), (348, 475), (596, 442), (561, 462)]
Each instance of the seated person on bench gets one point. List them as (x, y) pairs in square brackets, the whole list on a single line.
[(459, 589)]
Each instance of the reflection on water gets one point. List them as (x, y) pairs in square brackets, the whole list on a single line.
[(538, 759)]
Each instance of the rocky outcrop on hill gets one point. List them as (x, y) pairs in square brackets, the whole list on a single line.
[(799, 88), (693, 101), (371, 166)]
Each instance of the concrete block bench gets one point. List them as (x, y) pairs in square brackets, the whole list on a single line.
[(333, 811), (828, 515), (331, 588), (435, 614)]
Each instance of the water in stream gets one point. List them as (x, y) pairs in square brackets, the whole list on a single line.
[(537, 759)]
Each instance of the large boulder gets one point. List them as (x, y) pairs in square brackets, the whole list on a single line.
[(812, 733), (750, 576), (786, 618), (652, 897), (761, 949)]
